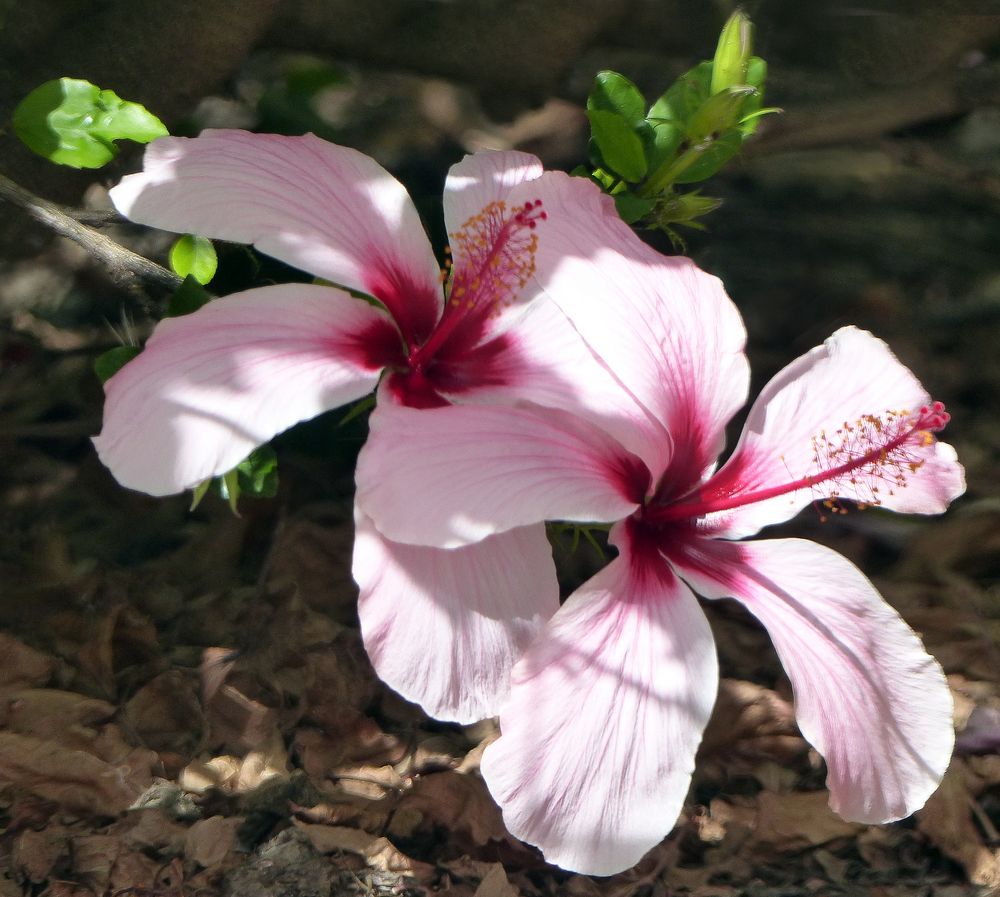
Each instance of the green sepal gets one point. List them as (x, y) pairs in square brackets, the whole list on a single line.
[(631, 208), (188, 297), (109, 363), (194, 256), (73, 122), (198, 493)]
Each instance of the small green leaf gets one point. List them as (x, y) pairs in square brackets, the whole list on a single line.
[(715, 155), (666, 138), (620, 147), (189, 297), (615, 93), (682, 99), (73, 122), (195, 257), (257, 476), (109, 363), (631, 207)]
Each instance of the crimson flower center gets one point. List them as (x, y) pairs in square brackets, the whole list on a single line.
[(873, 456), (494, 253)]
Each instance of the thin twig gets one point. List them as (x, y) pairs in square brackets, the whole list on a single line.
[(124, 266)]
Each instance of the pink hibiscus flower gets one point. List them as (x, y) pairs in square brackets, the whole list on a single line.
[(211, 386), (608, 705)]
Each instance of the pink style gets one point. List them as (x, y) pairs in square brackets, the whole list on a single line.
[(211, 386), (608, 705)]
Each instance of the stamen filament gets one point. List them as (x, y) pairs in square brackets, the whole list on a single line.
[(929, 420)]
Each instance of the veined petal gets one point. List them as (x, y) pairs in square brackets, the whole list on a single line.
[(483, 178), (605, 713), (830, 388), (211, 386), (444, 628), (326, 209), (454, 475), (666, 329), (542, 359), (868, 696)]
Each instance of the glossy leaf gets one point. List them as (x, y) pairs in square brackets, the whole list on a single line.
[(615, 93), (620, 147), (193, 256), (73, 122)]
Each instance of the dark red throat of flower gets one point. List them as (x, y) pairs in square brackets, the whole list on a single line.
[(494, 258), (864, 461)]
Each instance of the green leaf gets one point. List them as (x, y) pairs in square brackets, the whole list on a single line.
[(682, 99), (665, 139), (73, 122), (257, 476), (111, 362), (620, 147), (631, 207), (193, 256), (615, 93), (189, 297), (715, 155)]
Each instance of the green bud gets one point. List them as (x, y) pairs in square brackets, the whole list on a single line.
[(718, 113), (729, 67)]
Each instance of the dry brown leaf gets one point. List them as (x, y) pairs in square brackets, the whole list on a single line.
[(747, 717), (219, 772), (132, 872), (946, 820), (152, 829), (800, 819), (460, 803), (269, 761), (209, 841), (379, 853), (23, 666), (314, 558), (93, 858), (495, 884), (74, 779), (49, 712), (165, 713), (123, 638), (237, 720), (35, 854)]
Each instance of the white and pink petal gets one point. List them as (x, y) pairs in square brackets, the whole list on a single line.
[(834, 404), (326, 209), (666, 329), (542, 359), (211, 386), (868, 696), (451, 476), (482, 179), (606, 711), (445, 627)]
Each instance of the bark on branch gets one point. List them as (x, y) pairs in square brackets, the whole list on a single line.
[(124, 266)]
